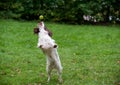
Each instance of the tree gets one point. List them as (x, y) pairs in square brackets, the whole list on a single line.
[(68, 11)]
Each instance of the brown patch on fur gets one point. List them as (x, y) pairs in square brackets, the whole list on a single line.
[(36, 30), (49, 32), (40, 46), (55, 46)]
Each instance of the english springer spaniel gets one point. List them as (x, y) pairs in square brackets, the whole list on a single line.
[(49, 48)]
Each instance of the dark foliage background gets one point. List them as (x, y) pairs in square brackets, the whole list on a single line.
[(68, 11)]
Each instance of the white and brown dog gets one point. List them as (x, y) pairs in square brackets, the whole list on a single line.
[(49, 48)]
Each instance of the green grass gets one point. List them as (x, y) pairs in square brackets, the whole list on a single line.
[(90, 55)]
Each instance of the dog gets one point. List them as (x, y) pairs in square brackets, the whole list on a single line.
[(49, 48)]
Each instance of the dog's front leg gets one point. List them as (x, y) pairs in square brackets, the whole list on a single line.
[(39, 45), (58, 65), (59, 70)]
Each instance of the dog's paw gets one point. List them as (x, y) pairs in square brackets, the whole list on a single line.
[(55, 46), (39, 46)]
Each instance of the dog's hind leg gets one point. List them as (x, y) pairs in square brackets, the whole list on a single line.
[(49, 74), (48, 69), (59, 70), (60, 75)]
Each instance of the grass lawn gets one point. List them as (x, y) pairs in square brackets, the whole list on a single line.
[(90, 55)]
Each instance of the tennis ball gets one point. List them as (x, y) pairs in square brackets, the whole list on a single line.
[(41, 17)]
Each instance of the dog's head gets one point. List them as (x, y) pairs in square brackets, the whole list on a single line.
[(42, 26)]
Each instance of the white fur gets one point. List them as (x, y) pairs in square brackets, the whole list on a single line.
[(46, 43)]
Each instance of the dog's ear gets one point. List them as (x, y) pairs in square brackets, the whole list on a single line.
[(49, 32), (36, 30)]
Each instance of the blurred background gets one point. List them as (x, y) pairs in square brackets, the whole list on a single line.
[(65, 11)]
